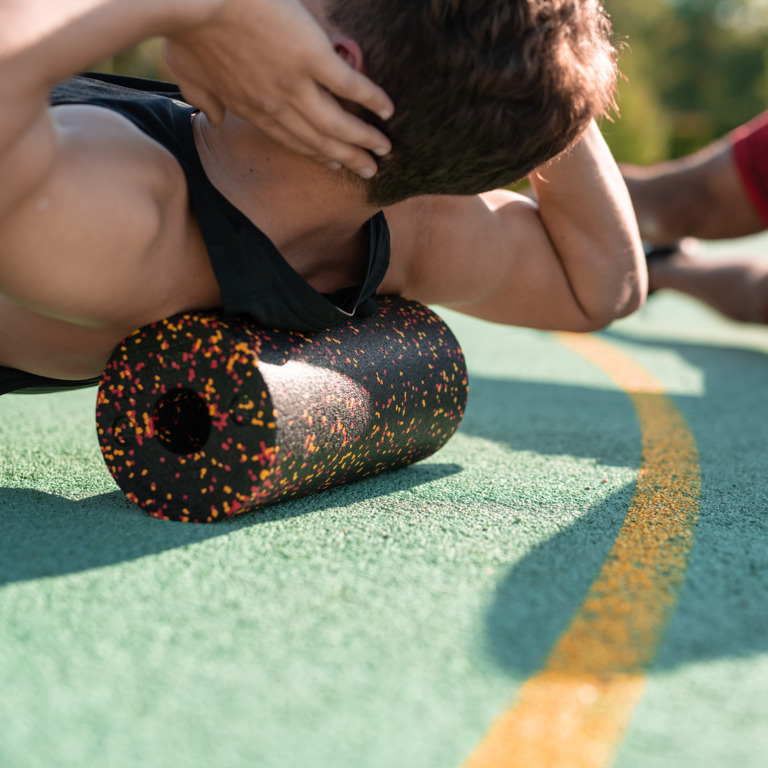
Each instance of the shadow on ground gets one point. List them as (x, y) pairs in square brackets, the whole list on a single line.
[(44, 535), (555, 420), (723, 607)]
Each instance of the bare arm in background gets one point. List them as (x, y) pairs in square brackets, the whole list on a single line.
[(701, 196)]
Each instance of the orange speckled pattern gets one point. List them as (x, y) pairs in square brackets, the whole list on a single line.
[(201, 416)]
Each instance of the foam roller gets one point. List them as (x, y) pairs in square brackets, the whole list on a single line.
[(203, 416)]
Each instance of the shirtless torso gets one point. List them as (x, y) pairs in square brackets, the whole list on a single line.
[(106, 242), (104, 239), (99, 231)]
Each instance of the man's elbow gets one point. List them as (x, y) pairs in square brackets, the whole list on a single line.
[(630, 299), (635, 284), (636, 296)]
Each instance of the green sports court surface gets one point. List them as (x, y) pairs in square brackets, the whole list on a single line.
[(579, 578)]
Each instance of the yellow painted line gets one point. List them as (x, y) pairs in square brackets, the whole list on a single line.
[(574, 713)]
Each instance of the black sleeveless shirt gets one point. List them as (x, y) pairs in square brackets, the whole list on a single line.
[(253, 277)]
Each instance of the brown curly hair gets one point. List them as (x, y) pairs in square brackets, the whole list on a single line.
[(485, 90)]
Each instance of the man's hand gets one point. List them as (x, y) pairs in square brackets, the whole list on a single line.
[(269, 62)]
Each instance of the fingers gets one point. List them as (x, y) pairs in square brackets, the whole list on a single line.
[(288, 139), (192, 84), (286, 89), (335, 134), (331, 119), (347, 83), (299, 132), (206, 102)]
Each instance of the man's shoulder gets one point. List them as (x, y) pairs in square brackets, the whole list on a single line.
[(140, 112), (153, 106), (433, 221), (430, 236)]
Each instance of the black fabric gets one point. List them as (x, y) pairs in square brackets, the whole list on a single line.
[(253, 277), (13, 380)]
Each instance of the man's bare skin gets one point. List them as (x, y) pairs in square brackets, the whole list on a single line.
[(97, 237)]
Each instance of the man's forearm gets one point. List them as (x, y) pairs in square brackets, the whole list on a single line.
[(43, 41), (267, 61), (587, 212)]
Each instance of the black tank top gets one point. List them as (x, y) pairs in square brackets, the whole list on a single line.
[(253, 277)]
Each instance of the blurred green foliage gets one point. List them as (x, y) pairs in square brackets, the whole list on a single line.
[(145, 60), (694, 69)]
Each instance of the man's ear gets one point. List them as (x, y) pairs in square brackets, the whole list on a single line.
[(350, 51)]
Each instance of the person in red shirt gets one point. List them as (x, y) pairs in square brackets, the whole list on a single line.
[(719, 192)]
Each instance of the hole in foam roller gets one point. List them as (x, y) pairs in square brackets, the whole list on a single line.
[(182, 422)]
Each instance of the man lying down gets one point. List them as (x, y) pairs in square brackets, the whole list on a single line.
[(122, 204)]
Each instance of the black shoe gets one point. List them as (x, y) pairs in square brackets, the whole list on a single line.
[(653, 252), (659, 252)]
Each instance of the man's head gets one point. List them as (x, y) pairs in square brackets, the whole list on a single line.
[(485, 90)]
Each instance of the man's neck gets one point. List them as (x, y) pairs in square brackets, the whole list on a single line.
[(309, 212)]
